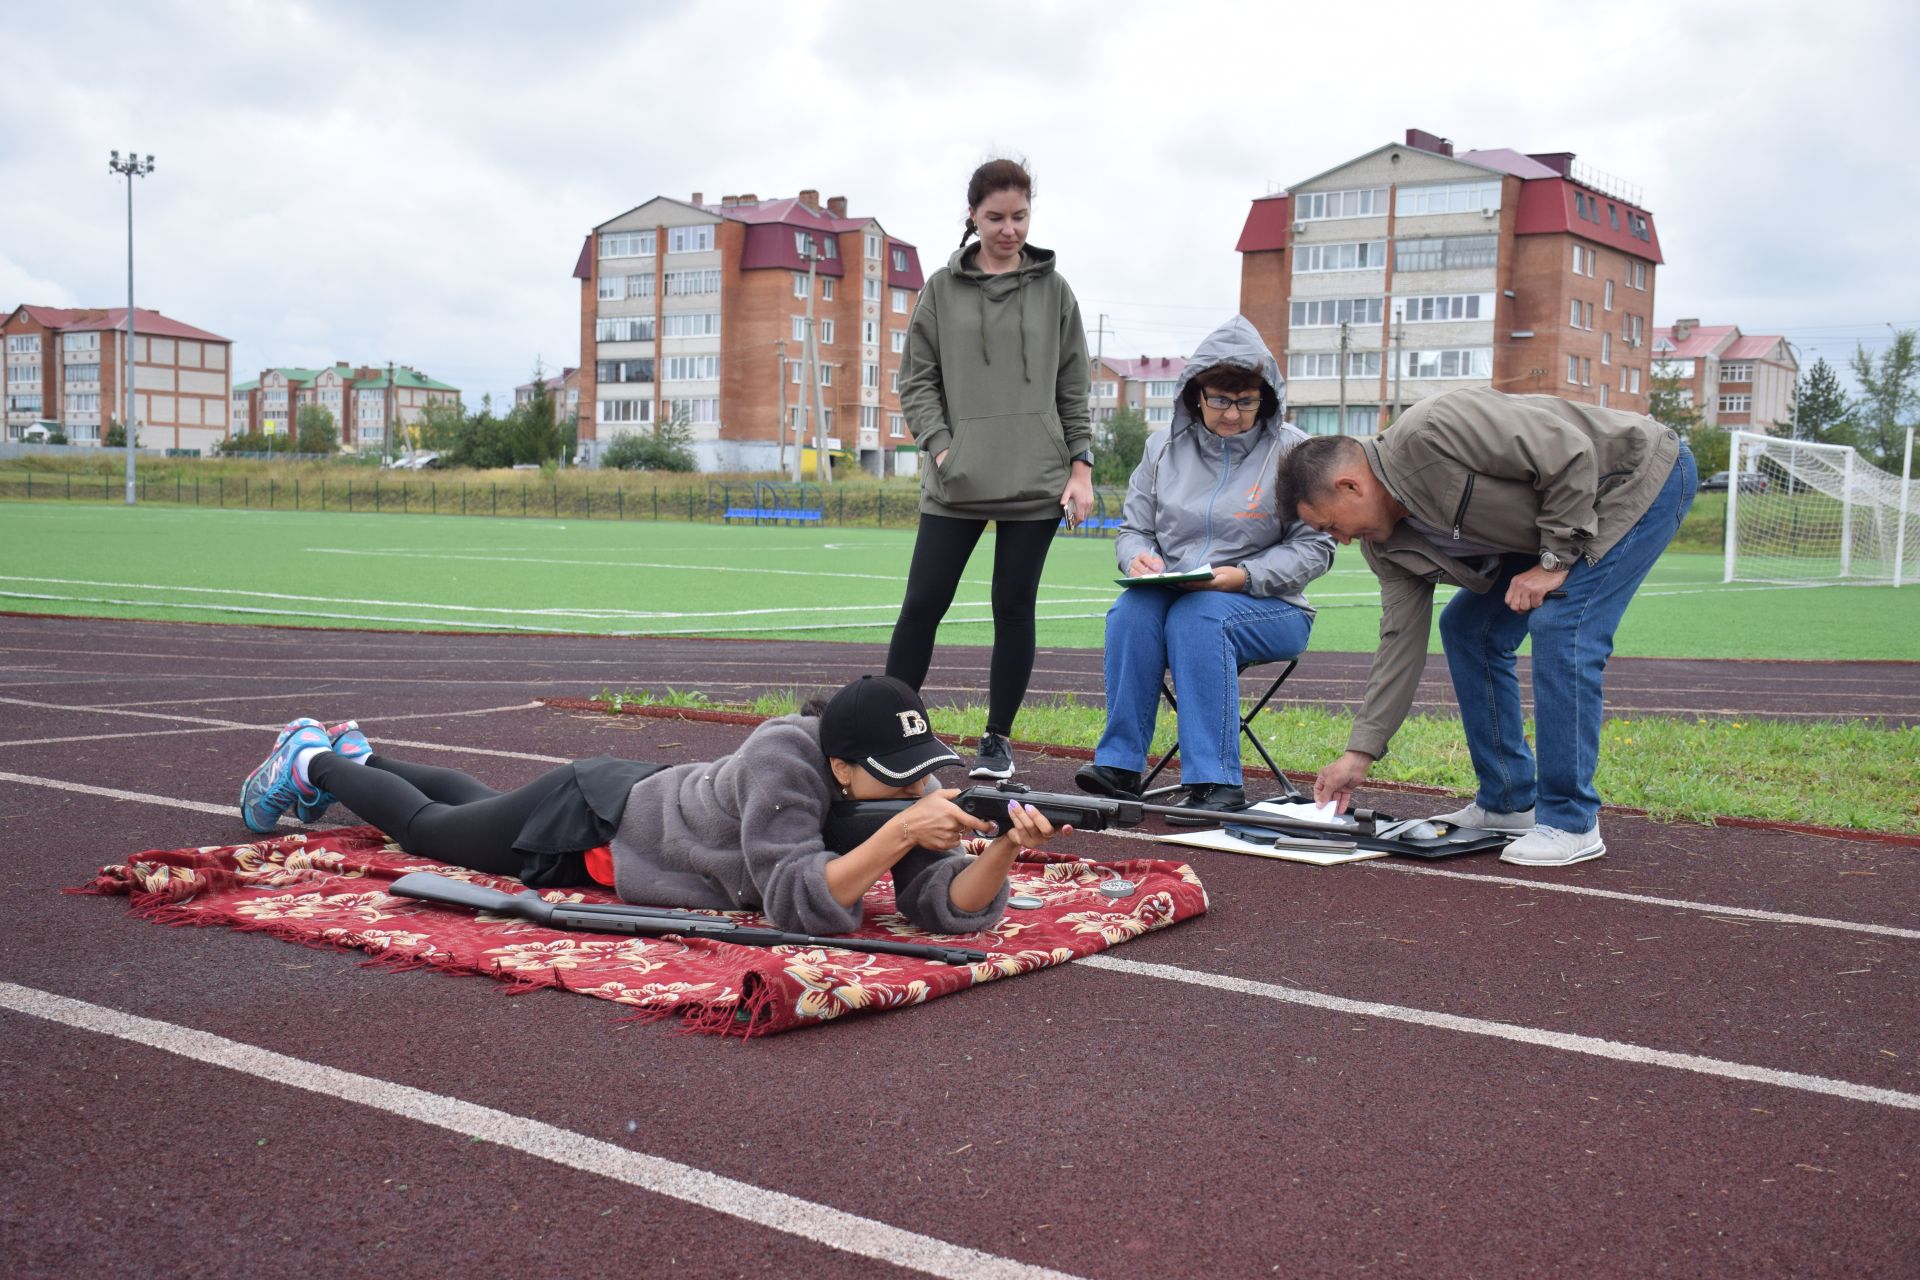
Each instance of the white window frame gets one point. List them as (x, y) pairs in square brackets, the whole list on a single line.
[(1444, 308), (826, 288), (896, 426), (1607, 297), (799, 329), (612, 288), (1470, 196), (898, 339), (690, 239), (23, 344), (899, 302), (873, 244), (627, 244), (799, 284), (1351, 202), (870, 332), (1606, 347), (1741, 403), (1312, 259), (690, 324), (870, 376), (1573, 370), (871, 291), (826, 332), (1738, 371), (1330, 313), (826, 375)]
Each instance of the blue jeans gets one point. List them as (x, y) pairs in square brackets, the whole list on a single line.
[(1572, 640), (1203, 638)]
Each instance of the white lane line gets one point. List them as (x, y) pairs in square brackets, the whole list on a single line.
[(1564, 1041), (138, 797), (252, 728), (1682, 904), (774, 1210), (109, 737)]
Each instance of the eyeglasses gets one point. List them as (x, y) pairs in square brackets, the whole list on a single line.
[(1246, 404)]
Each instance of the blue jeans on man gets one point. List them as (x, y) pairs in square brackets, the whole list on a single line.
[(1203, 638), (1572, 640)]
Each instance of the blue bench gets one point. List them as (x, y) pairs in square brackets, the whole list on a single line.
[(771, 513)]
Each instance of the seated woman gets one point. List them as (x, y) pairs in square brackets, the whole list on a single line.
[(1203, 494), (739, 833)]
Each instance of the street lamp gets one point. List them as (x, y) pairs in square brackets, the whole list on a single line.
[(134, 167)]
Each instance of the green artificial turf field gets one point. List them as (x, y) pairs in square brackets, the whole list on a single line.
[(336, 569)]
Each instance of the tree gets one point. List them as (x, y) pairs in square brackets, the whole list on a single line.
[(1889, 399), (1670, 400), (532, 433), (1118, 444), (1825, 415), (115, 437), (244, 442), (662, 449), (315, 431)]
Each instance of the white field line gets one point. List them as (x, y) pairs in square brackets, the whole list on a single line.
[(217, 727), (231, 811), (1565, 1042), (773, 1210)]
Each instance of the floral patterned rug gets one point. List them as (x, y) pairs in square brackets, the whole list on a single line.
[(328, 889)]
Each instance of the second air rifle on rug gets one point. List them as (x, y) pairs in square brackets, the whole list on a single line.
[(621, 917)]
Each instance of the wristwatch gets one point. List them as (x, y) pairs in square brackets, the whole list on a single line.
[(1551, 562), (1085, 455)]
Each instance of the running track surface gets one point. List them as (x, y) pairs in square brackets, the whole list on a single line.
[(1694, 1056)]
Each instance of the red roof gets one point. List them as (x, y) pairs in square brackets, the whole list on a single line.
[(583, 268), (910, 278), (1548, 205), (1757, 346), (1266, 226), (771, 244), (1148, 368), (1701, 340), (1507, 160), (788, 210), (86, 319)]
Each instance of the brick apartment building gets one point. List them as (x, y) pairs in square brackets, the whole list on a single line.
[(1146, 384), (360, 399), (1743, 382), (1526, 272), (701, 307), (67, 365), (564, 387)]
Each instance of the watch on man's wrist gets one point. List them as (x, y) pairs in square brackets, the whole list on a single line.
[(1551, 562)]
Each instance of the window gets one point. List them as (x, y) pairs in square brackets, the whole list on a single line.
[(899, 259), (1613, 215), (1580, 204), (692, 368), (799, 284), (826, 375), (23, 343), (1445, 253), (1604, 388), (871, 290), (89, 402), (690, 239), (1686, 395), (1160, 413), (1468, 362), (1583, 260), (799, 328), (627, 244), (1351, 255), (1606, 298), (80, 342), (1322, 312), (899, 302), (793, 367), (1448, 197), (24, 403), (1606, 348), (703, 411), (1586, 371), (1639, 275), (1574, 318), (612, 287), (1105, 390), (1362, 202), (826, 421), (896, 426), (893, 383), (1573, 369), (869, 332), (623, 329), (371, 407), (873, 245), (275, 398), (870, 376), (682, 283), (87, 431), (802, 243), (624, 371), (28, 373), (626, 411), (1326, 364), (639, 286), (91, 373), (1164, 388), (1736, 404), (691, 324), (1736, 373), (1426, 309), (826, 288), (1639, 330), (826, 331), (1636, 386), (899, 338)]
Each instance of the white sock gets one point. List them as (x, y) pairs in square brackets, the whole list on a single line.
[(303, 760)]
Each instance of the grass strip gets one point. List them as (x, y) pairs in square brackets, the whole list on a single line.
[(1856, 774)]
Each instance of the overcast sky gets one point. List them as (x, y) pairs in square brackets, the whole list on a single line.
[(411, 181)]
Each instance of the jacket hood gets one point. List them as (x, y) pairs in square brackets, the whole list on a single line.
[(1235, 343), (1034, 263)]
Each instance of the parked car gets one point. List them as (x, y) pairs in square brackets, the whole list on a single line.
[(1750, 482)]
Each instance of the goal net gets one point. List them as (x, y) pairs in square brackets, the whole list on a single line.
[(1818, 513)]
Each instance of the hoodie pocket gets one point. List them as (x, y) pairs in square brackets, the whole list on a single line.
[(1012, 457)]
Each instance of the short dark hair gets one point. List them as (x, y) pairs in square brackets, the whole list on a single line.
[(1307, 471), (1229, 379)]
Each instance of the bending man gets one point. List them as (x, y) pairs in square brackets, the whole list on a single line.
[(1549, 514)]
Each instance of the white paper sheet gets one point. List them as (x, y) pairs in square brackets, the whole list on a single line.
[(1222, 842)]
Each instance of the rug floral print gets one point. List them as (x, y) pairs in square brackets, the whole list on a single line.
[(328, 889)]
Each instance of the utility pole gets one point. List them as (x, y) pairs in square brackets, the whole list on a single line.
[(133, 167), (1346, 339), (823, 471), (1399, 361), (1099, 356), (780, 429), (393, 435)]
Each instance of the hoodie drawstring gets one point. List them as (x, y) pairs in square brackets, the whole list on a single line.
[(1025, 372), (985, 354)]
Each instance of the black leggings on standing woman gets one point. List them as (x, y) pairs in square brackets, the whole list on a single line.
[(940, 555)]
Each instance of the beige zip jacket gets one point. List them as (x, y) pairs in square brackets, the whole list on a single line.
[(1524, 473)]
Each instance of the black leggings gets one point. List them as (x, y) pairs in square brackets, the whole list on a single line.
[(438, 813), (940, 554)]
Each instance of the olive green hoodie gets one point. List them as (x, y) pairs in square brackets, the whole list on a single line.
[(995, 373)]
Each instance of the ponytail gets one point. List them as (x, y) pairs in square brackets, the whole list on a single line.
[(970, 232)]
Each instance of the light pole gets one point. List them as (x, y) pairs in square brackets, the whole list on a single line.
[(134, 167)]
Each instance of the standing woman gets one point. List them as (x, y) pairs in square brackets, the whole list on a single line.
[(994, 387)]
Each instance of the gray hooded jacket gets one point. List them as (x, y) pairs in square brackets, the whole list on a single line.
[(1197, 498)]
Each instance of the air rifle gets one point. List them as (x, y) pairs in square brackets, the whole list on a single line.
[(650, 921), (851, 822)]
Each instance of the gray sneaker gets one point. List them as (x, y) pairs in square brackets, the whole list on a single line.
[(1487, 819), (995, 759), (1551, 847)]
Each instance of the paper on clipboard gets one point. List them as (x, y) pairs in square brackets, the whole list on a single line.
[(1304, 851), (1203, 574)]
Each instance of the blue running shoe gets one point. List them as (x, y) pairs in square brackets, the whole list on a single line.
[(347, 741), (273, 788)]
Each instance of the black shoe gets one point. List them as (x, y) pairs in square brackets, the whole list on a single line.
[(995, 759), (1104, 780), (1209, 801)]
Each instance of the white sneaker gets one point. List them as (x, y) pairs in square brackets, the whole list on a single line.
[(1487, 819), (1546, 846)]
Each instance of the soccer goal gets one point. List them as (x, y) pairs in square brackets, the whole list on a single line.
[(1819, 513)]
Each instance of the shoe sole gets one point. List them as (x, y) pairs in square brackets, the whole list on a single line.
[(1585, 855), (982, 771), (1094, 787)]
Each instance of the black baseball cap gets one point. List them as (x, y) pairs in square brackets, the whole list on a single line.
[(880, 723)]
